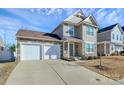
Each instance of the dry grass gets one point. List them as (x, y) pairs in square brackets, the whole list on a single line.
[(5, 70), (112, 66)]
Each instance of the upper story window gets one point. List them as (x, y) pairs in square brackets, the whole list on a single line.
[(89, 47), (113, 36), (90, 31), (120, 38), (71, 30), (117, 37)]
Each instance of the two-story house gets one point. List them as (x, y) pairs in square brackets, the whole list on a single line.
[(123, 36), (75, 36), (79, 35), (110, 40)]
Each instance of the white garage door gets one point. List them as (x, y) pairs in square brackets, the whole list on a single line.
[(30, 52), (51, 52)]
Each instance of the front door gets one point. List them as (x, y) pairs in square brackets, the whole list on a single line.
[(71, 49)]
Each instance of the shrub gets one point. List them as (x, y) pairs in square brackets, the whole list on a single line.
[(115, 53), (95, 57), (90, 58), (83, 58), (69, 59)]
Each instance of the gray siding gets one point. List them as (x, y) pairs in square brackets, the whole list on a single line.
[(87, 37), (65, 29), (78, 32), (104, 36), (59, 31)]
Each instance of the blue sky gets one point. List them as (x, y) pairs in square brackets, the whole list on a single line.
[(46, 20)]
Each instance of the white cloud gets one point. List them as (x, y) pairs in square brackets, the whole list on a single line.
[(106, 17), (53, 11), (9, 21), (70, 11), (111, 15), (26, 15)]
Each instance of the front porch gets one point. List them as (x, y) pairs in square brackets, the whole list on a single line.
[(72, 49), (107, 48)]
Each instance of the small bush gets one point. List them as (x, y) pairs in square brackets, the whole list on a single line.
[(69, 59), (115, 53), (95, 57), (98, 57), (90, 58), (122, 53), (83, 58)]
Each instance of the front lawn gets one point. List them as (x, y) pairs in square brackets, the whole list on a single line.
[(112, 66), (5, 70)]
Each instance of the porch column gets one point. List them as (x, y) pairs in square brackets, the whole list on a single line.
[(73, 49), (63, 53), (105, 48), (68, 50)]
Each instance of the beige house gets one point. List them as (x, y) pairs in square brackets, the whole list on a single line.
[(76, 36), (79, 35), (110, 40)]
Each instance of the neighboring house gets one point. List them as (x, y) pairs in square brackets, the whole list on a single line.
[(110, 40), (76, 36), (123, 36), (1, 44)]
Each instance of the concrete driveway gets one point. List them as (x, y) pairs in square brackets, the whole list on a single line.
[(55, 72)]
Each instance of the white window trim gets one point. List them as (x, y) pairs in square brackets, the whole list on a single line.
[(87, 30), (90, 43), (73, 30), (113, 36)]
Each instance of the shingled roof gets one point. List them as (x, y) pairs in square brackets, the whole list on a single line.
[(107, 28), (22, 33), (122, 28)]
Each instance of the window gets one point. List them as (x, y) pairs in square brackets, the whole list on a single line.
[(117, 37), (113, 36), (71, 30), (2, 49), (112, 47), (120, 38), (66, 46), (90, 31), (89, 47)]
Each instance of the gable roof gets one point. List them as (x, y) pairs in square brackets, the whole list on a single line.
[(22, 33), (122, 28), (79, 13), (91, 17), (76, 17), (107, 28)]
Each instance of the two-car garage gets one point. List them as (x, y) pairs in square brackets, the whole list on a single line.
[(39, 51)]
